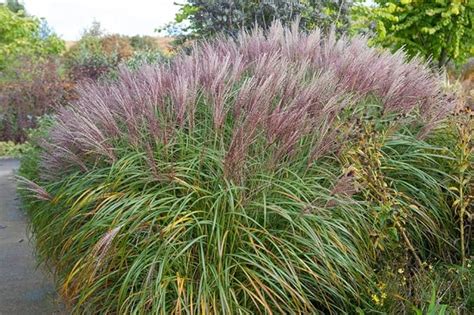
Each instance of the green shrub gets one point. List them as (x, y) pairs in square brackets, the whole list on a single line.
[(141, 58), (144, 43), (28, 151), (87, 59), (97, 55), (11, 149), (31, 152)]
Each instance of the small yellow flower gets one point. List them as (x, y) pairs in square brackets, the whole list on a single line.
[(400, 270), (376, 299)]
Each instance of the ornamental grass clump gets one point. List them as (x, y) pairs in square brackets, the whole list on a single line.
[(231, 180)]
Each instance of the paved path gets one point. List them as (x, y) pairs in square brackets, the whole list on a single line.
[(24, 288)]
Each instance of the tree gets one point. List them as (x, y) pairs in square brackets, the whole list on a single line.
[(21, 35), (15, 6), (95, 30), (439, 29), (208, 17)]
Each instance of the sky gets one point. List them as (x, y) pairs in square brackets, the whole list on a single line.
[(68, 18)]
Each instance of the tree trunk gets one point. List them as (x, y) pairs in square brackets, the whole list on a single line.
[(443, 58)]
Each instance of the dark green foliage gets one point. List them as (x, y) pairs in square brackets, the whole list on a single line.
[(209, 17), (14, 6), (144, 43)]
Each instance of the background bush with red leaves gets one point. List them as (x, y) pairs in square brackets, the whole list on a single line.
[(32, 85), (30, 89)]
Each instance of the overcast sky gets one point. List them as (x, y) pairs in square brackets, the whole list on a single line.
[(68, 18)]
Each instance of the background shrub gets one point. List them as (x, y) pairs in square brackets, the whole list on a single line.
[(88, 60), (29, 89), (279, 172), (117, 45), (31, 79), (141, 58), (145, 43), (11, 149), (97, 55)]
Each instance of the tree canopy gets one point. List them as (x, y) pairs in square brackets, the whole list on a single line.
[(207, 18), (21, 34), (439, 29)]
